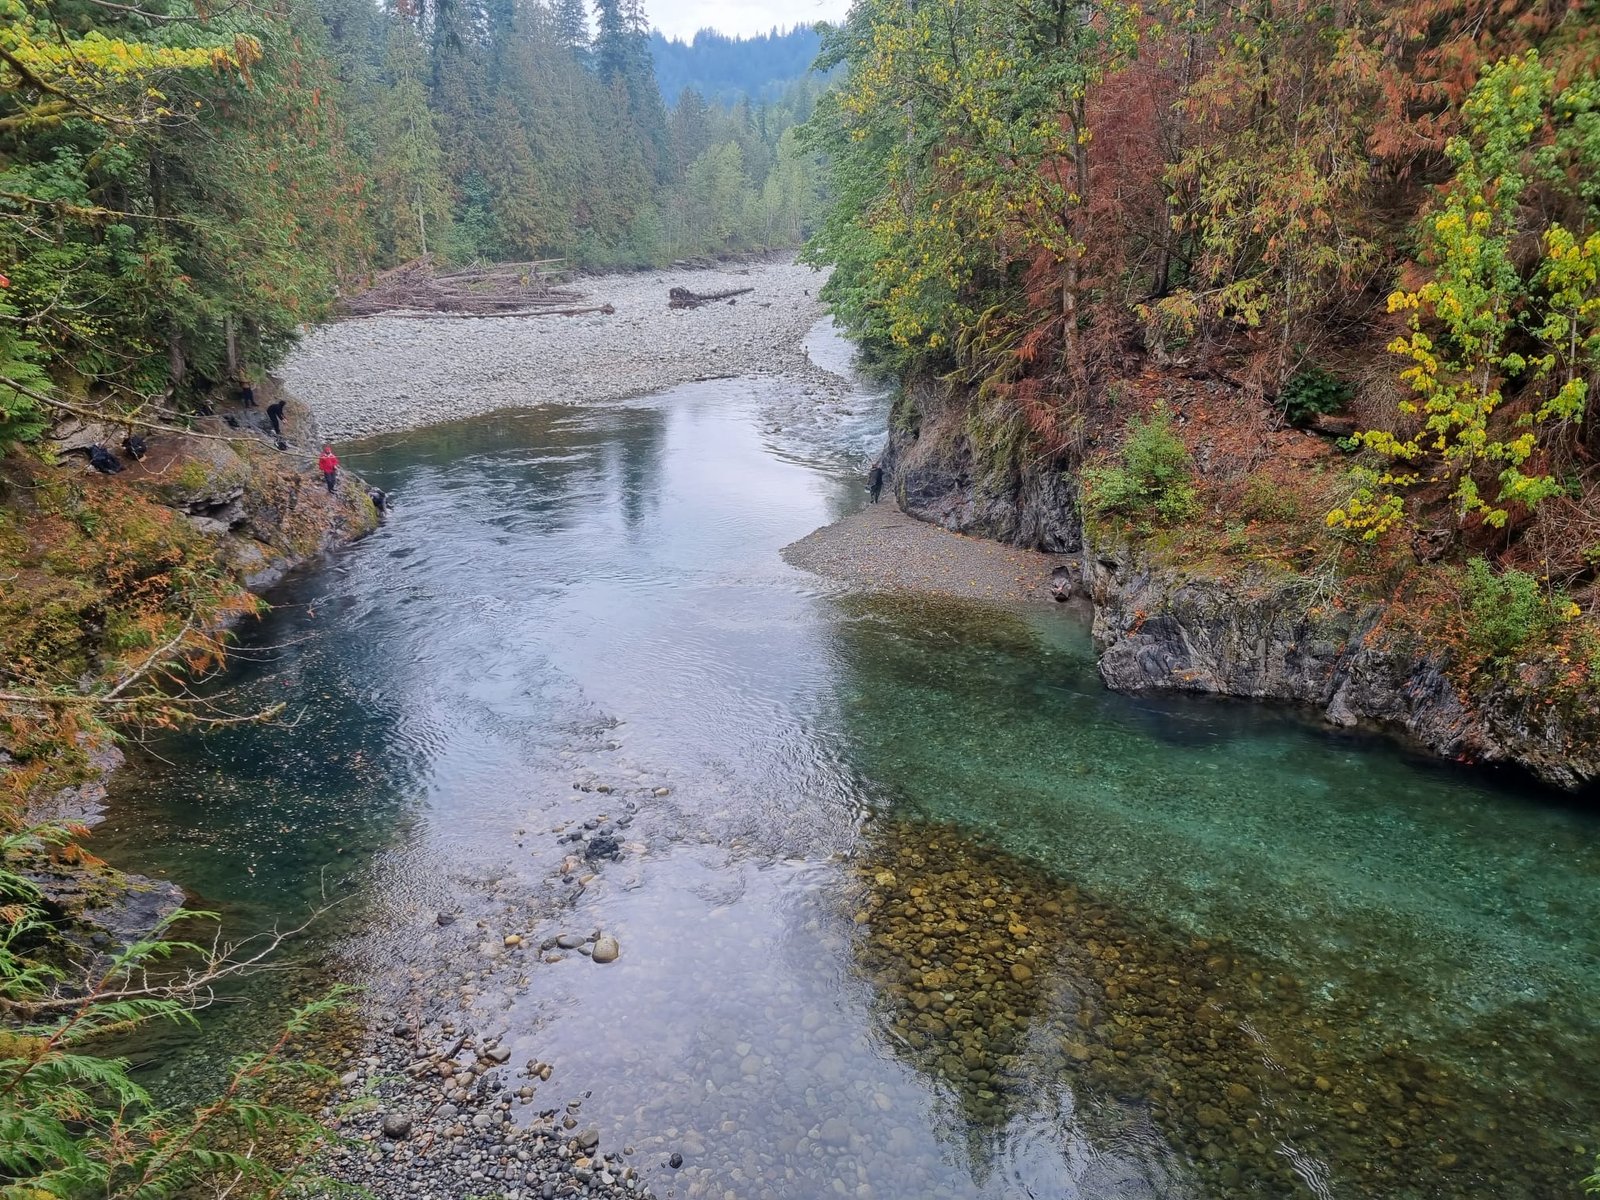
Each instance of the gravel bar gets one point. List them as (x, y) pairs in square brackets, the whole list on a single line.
[(882, 549), (381, 374)]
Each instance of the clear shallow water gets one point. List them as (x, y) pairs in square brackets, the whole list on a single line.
[(926, 911)]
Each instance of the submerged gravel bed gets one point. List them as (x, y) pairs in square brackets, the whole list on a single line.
[(438, 1099), (381, 374)]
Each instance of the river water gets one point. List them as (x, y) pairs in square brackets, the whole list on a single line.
[(924, 910)]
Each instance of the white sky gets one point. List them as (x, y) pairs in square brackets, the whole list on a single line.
[(683, 18)]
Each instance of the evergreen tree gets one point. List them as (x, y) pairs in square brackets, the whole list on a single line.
[(572, 25), (408, 170)]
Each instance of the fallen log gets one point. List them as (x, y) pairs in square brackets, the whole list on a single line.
[(483, 289), (606, 309), (683, 298)]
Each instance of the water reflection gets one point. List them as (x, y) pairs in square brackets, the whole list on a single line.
[(1291, 962), (910, 906)]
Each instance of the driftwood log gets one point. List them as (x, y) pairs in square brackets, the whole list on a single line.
[(683, 298), (494, 289), (607, 309)]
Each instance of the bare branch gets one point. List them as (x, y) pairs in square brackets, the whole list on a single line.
[(112, 418), (195, 987)]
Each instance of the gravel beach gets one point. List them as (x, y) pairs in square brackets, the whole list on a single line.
[(882, 549), (381, 374)]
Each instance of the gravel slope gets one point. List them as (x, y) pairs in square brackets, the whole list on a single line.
[(381, 374)]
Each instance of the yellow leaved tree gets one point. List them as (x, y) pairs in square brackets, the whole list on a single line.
[(1487, 329)]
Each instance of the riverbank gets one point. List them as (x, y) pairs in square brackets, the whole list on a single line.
[(1249, 596), (112, 581), (383, 374), (882, 549)]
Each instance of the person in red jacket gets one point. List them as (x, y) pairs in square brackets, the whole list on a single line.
[(328, 464)]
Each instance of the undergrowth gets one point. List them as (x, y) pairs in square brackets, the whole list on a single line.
[(1153, 479), (1509, 610)]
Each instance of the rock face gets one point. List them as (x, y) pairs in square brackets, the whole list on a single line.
[(1158, 627), (937, 475), (1161, 627)]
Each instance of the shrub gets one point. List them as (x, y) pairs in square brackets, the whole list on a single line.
[(1153, 478), (1313, 391), (1506, 611), (1266, 499)]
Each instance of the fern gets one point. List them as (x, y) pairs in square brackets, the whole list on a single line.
[(74, 1122)]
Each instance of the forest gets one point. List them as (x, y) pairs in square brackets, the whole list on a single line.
[(1146, 244), (182, 188), (1304, 293), (723, 69)]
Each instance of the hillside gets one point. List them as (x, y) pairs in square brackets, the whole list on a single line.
[(725, 70), (1240, 297)]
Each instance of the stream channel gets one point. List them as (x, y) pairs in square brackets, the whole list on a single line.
[(921, 909)]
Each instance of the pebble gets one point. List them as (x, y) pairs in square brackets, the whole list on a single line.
[(345, 371), (606, 949)]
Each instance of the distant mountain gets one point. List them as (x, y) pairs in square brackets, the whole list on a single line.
[(723, 69)]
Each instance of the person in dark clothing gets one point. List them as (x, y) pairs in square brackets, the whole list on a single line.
[(135, 446), (328, 464), (103, 460), (875, 481), (379, 498), (247, 395), (275, 416)]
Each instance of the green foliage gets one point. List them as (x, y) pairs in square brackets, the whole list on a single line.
[(73, 1121), (163, 181), (1506, 611), (21, 416), (957, 150), (1153, 478), (1485, 327), (1314, 391)]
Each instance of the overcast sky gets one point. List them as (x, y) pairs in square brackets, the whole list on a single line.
[(683, 18)]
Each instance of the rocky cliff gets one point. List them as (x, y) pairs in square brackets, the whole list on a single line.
[(940, 473), (1167, 626), (1265, 638)]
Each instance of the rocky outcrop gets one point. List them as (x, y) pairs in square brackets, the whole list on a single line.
[(1267, 638), (255, 506), (938, 475), (1160, 626), (266, 507)]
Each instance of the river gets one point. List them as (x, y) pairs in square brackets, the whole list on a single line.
[(909, 905)]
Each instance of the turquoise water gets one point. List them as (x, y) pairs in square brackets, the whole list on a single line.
[(924, 911)]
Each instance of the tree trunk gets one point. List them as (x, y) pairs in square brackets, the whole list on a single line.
[(231, 336), (1071, 275), (422, 224), (176, 367)]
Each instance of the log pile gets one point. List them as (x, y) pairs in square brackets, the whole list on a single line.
[(683, 298), (496, 289)]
